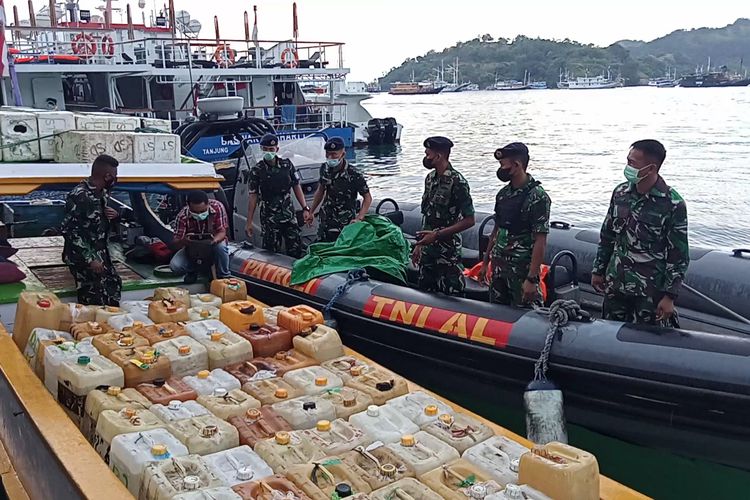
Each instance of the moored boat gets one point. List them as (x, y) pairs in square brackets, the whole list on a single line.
[(634, 383)]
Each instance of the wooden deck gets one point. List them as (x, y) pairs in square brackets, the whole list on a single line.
[(41, 260)]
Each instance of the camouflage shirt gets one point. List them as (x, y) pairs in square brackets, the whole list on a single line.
[(85, 226), (643, 248), (341, 187), (530, 206), (273, 184), (445, 201)]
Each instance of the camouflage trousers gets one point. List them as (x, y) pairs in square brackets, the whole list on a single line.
[(329, 231), (507, 283), (634, 309), (286, 233), (333, 222), (443, 278), (97, 289)]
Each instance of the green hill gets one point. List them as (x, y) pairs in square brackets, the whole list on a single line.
[(484, 58)]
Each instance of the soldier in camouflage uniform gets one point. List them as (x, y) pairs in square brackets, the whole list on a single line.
[(519, 239), (643, 252), (447, 209), (337, 190), (85, 228), (272, 179)]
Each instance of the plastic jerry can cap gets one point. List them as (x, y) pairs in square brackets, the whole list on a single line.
[(281, 393), (373, 411), (158, 450), (174, 405), (408, 440), (281, 355), (165, 332), (446, 419), (513, 491), (343, 490), (129, 412), (356, 370), (220, 392), (388, 470), (282, 438), (44, 303), (477, 491), (113, 390), (138, 324), (309, 405), (245, 474), (191, 482), (254, 327), (385, 386), (253, 414), (112, 309), (514, 465), (205, 313), (323, 425), (321, 381), (184, 350), (159, 382), (216, 336), (148, 357), (209, 431), (349, 399), (206, 297), (203, 374), (84, 360), (126, 341), (430, 410)]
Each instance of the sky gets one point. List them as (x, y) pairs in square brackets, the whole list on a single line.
[(381, 34)]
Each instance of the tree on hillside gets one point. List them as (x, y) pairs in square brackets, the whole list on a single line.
[(485, 58)]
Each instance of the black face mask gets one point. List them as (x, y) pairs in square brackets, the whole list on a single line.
[(428, 163), (504, 174)]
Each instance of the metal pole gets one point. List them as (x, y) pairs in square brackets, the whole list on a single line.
[(149, 101), (190, 72), (5, 93)]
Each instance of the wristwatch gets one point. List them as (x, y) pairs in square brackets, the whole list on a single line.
[(533, 279), (305, 208)]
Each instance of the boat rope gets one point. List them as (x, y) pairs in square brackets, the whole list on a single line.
[(719, 306), (352, 277), (560, 313)]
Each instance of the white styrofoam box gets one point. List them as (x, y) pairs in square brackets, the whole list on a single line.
[(17, 127), (123, 123), (92, 122), (156, 148), (85, 146), (157, 123), (49, 123)]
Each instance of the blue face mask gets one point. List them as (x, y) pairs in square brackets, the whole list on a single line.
[(333, 162), (201, 216), (269, 156)]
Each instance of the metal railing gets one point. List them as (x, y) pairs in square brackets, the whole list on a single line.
[(114, 46), (315, 116)]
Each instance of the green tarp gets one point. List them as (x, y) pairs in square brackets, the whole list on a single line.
[(374, 244)]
